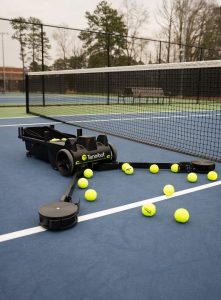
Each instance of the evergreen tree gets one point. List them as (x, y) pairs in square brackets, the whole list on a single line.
[(35, 41), (20, 34), (104, 39)]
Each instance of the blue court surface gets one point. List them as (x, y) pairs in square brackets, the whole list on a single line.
[(12, 99), (114, 252)]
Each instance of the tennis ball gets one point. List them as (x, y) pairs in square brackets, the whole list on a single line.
[(212, 175), (54, 140), (148, 209), (88, 173), (82, 183), (175, 168), (168, 190), (90, 195), (124, 166), (192, 177), (129, 170), (154, 169), (181, 215)]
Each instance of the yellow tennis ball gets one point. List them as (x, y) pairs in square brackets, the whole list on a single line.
[(168, 190), (54, 140), (181, 215), (212, 175), (175, 168), (192, 177), (88, 173), (90, 195), (124, 166), (129, 170), (82, 183), (148, 209), (154, 169)]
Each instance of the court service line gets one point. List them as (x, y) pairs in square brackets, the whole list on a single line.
[(135, 118), (28, 124), (110, 211), (137, 113), (132, 118), (117, 113), (24, 117)]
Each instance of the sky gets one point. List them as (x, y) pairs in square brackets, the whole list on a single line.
[(58, 12)]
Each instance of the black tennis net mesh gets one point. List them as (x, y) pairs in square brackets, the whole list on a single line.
[(173, 106)]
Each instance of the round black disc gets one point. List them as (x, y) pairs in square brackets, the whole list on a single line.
[(203, 166), (58, 215)]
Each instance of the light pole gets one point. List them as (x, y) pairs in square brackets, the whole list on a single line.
[(3, 60)]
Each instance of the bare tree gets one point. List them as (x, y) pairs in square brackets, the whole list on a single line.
[(63, 38), (167, 13), (190, 26), (212, 37), (136, 17), (186, 23)]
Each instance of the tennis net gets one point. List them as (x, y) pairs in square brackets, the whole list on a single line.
[(174, 106)]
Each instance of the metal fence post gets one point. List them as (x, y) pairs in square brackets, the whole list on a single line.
[(27, 92), (42, 64)]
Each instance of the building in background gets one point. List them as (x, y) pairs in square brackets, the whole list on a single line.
[(11, 79)]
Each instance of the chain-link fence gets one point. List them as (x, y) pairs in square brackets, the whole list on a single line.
[(35, 46)]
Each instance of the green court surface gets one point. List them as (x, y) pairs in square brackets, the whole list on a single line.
[(69, 109), (10, 112), (20, 111)]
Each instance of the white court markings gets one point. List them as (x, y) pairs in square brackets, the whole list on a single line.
[(181, 115), (38, 229), (110, 211)]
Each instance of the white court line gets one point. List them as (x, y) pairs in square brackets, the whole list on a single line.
[(138, 118), (24, 117), (110, 211), (137, 113), (110, 119), (21, 233), (29, 124)]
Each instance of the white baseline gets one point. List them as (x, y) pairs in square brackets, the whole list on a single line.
[(110, 211)]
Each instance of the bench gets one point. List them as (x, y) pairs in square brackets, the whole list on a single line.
[(153, 94)]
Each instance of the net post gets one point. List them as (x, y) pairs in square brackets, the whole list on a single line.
[(27, 92), (108, 88), (43, 90), (108, 64)]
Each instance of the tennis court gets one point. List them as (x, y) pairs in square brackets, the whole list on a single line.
[(173, 106), (9, 99), (115, 252)]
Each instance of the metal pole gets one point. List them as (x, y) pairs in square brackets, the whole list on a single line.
[(108, 64), (42, 64), (3, 61), (27, 92), (160, 54)]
